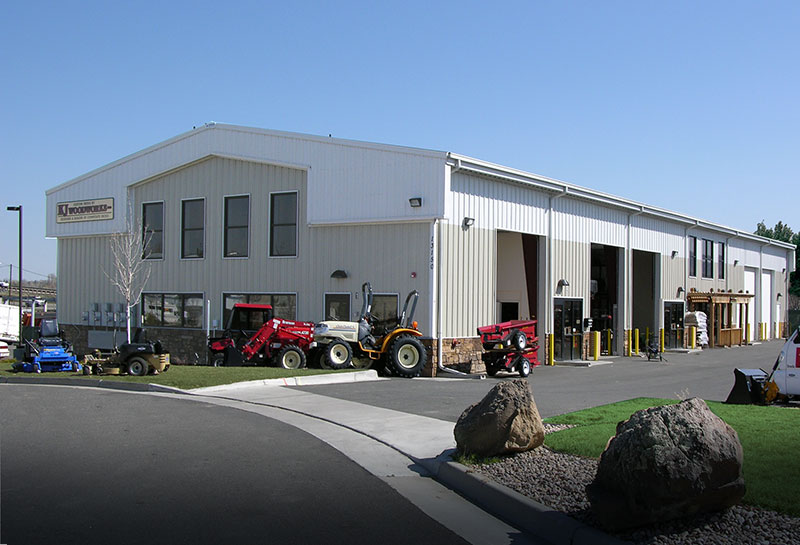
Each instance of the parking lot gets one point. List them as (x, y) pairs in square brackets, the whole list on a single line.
[(564, 388)]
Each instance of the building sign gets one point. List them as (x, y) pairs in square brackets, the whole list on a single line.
[(94, 210)]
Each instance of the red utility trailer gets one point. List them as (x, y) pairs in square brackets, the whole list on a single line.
[(510, 346)]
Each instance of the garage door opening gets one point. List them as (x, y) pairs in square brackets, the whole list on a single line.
[(645, 317), (604, 304), (517, 276)]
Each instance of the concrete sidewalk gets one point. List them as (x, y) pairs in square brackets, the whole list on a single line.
[(424, 442)]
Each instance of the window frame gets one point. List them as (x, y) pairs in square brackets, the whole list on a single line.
[(225, 225), (183, 295), (349, 305), (184, 229), (693, 256), (144, 230), (708, 259), (270, 242), (722, 263)]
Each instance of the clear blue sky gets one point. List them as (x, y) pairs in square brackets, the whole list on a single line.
[(691, 106)]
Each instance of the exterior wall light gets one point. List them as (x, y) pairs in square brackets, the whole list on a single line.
[(468, 222), (563, 283), (735, 262), (339, 273), (680, 290), (674, 254), (415, 202)]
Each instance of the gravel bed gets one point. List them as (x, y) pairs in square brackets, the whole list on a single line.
[(559, 481)]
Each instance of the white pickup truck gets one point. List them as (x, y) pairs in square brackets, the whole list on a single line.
[(786, 374), (9, 323)]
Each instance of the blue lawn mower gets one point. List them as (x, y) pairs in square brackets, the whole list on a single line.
[(50, 352)]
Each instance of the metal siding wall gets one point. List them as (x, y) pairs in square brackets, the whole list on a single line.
[(498, 205), (581, 221), (468, 279), (572, 261), (83, 262), (385, 255), (348, 181)]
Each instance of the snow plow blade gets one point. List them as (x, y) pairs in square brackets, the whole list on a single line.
[(748, 387)]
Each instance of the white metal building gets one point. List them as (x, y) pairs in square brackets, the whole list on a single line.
[(302, 221)]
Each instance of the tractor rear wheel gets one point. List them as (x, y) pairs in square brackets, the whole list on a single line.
[(338, 355), (137, 366), (407, 356), (291, 357)]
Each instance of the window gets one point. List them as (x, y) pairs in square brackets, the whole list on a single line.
[(708, 259), (192, 228), (384, 312), (172, 309), (337, 306), (283, 225), (721, 258), (692, 256), (284, 305), (153, 230), (237, 220)]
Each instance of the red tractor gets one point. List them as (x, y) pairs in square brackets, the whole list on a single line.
[(510, 346), (254, 336)]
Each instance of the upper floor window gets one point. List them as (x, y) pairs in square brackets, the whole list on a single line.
[(721, 258), (237, 226), (692, 256), (153, 230), (283, 224), (192, 228), (708, 259)]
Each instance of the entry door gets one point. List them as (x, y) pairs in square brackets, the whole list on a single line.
[(673, 324), (568, 335)]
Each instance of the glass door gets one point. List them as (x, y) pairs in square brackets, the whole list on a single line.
[(568, 334), (673, 324)]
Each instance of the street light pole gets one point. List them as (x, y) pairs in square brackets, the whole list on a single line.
[(19, 268)]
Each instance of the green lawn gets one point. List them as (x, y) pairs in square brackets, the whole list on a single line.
[(770, 438), (186, 377)]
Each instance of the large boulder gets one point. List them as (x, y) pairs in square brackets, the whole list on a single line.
[(665, 463), (506, 420)]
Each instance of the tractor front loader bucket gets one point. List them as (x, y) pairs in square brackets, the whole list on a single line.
[(748, 387)]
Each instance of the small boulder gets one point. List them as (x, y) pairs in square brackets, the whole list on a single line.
[(665, 463), (506, 420)]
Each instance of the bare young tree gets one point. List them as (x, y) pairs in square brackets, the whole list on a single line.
[(131, 270)]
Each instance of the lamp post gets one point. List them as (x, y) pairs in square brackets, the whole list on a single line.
[(19, 268)]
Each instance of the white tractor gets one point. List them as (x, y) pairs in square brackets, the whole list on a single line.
[(397, 349)]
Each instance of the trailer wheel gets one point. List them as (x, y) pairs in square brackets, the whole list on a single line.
[(338, 355), (518, 340), (291, 357), (137, 367), (523, 366), (407, 357)]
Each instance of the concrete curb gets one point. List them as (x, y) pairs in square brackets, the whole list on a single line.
[(92, 383), (518, 510), (309, 380)]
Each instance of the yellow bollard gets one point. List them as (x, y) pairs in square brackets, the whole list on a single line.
[(551, 350), (662, 340), (608, 341), (596, 345), (636, 341), (647, 336), (692, 337), (747, 334), (630, 343)]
